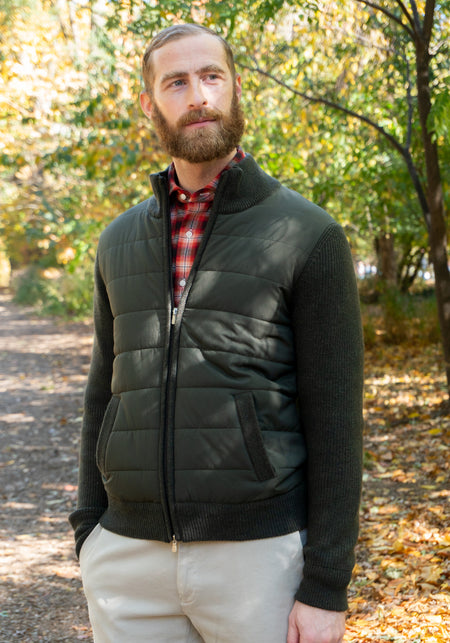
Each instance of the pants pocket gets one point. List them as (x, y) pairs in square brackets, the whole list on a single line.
[(89, 545), (253, 439)]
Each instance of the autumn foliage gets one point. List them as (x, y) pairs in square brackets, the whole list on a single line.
[(400, 590)]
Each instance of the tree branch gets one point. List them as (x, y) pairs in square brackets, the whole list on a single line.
[(406, 13), (417, 23), (403, 150), (324, 101), (390, 15), (410, 103), (428, 19), (365, 42)]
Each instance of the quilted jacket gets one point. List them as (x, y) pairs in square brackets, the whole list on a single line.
[(237, 415)]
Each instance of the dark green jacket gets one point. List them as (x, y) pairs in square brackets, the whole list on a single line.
[(237, 416)]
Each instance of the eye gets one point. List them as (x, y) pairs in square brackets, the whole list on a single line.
[(212, 76), (178, 83)]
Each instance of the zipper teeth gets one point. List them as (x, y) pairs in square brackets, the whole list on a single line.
[(169, 472), (164, 455)]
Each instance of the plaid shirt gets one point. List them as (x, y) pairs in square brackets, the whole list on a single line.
[(189, 215)]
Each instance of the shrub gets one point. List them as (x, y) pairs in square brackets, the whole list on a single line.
[(398, 313), (401, 318), (57, 292)]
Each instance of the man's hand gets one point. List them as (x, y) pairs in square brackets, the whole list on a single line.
[(313, 625)]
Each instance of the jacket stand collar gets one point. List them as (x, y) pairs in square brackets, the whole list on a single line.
[(240, 187)]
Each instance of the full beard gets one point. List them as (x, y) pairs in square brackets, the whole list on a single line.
[(205, 143)]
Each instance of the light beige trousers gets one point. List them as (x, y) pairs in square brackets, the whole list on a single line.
[(207, 592)]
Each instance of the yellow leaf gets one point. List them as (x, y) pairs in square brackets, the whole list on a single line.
[(431, 574)]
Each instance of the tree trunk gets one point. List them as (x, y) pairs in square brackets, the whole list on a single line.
[(409, 268), (386, 259), (437, 229)]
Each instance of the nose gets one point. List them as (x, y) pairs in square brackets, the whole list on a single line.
[(197, 97)]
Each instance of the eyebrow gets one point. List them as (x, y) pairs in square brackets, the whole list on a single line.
[(182, 74)]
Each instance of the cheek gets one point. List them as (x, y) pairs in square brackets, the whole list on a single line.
[(171, 111), (222, 101)]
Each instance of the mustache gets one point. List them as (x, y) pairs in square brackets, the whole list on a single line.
[(196, 115)]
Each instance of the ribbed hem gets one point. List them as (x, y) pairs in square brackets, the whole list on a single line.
[(264, 519), (207, 521)]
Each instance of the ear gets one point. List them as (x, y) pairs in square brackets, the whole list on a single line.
[(146, 103), (238, 86)]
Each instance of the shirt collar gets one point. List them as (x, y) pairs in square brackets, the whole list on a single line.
[(208, 191)]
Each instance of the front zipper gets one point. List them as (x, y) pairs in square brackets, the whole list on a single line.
[(166, 442), (169, 426), (167, 469)]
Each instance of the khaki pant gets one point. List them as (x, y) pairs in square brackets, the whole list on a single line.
[(207, 592)]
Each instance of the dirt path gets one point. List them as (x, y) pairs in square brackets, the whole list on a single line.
[(43, 368)]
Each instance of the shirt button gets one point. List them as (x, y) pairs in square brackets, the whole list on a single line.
[(182, 282), (189, 234), (183, 197)]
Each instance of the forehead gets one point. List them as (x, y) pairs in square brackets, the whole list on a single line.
[(189, 54)]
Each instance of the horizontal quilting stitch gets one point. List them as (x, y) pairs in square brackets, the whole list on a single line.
[(137, 274), (253, 237), (258, 319), (221, 271), (136, 350), (249, 354), (110, 248)]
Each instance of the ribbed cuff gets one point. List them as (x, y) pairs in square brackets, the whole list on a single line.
[(315, 591)]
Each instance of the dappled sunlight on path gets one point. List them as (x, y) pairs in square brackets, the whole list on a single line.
[(43, 366)]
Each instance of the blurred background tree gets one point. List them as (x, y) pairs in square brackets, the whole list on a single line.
[(347, 101)]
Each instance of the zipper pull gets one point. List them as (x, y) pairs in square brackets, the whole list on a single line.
[(174, 316), (174, 544)]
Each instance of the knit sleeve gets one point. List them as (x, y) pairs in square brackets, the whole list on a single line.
[(92, 500), (329, 352)]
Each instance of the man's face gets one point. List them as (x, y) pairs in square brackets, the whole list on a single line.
[(195, 102)]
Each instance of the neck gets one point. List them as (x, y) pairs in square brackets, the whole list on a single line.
[(194, 176)]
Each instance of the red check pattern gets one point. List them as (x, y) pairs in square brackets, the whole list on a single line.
[(189, 214)]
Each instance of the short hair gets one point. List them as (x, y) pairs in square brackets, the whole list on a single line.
[(176, 32)]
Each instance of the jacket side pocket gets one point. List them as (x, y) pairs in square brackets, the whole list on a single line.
[(251, 431), (105, 431)]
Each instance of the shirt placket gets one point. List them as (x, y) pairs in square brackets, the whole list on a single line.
[(185, 251)]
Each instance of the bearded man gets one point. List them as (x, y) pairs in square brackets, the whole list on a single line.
[(220, 463)]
